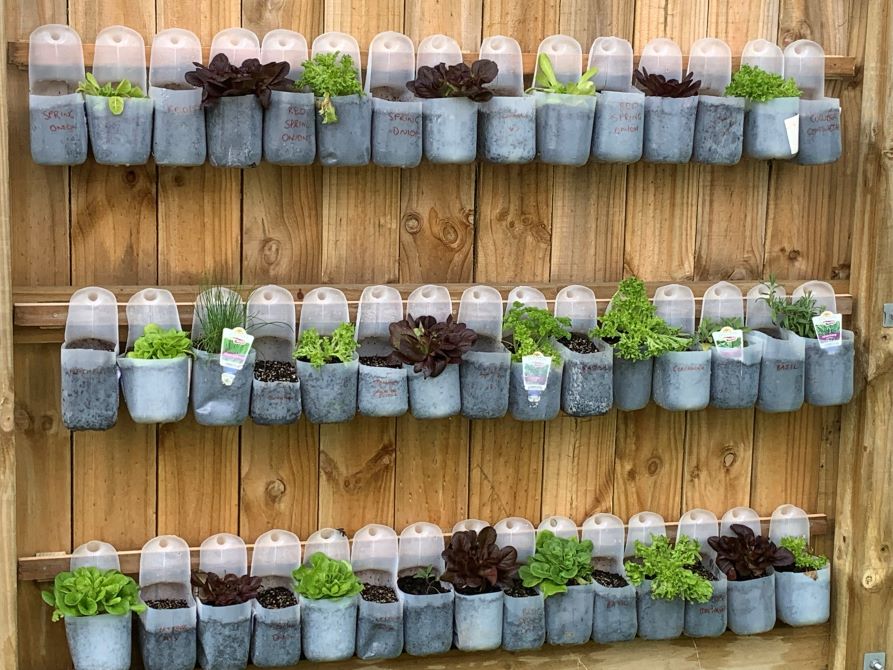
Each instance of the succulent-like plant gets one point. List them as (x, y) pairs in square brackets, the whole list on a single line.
[(327, 76), (745, 556), (430, 345), (757, 85), (222, 79), (325, 577), (116, 93), (659, 86), (531, 329), (556, 563), (547, 81), (474, 564), (455, 81), (804, 558), (89, 591), (217, 591), (157, 344), (669, 568), (321, 349)]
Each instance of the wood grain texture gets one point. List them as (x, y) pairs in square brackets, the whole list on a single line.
[(262, 16)]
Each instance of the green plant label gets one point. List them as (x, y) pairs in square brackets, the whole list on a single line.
[(729, 343), (234, 349), (828, 329), (535, 372)]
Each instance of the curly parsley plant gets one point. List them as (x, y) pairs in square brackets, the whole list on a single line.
[(668, 568)]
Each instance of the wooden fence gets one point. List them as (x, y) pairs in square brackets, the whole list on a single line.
[(540, 224)]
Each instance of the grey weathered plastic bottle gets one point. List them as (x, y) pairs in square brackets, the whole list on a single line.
[(289, 135), (587, 382), (484, 377), (669, 129), (550, 400), (614, 618), (751, 605), (213, 403), (632, 383), (803, 598), (719, 130), (682, 380), (329, 393), (658, 619), (829, 372), (708, 619), (347, 142), (569, 615), (123, 139), (329, 628), (478, 621), (428, 623), (235, 132), (523, 623), (619, 128), (434, 397), (765, 132)]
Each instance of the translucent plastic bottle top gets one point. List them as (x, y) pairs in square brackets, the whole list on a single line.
[(722, 301), (804, 60), (527, 296), (239, 45), (216, 293), (271, 313), (335, 42), (823, 293), (788, 521), (151, 305), (430, 300), (506, 53), (324, 309), (120, 54), (699, 524), (641, 527), (662, 56), (165, 560), (391, 63), (758, 312), (740, 515), (613, 56), (276, 554), (560, 526), (379, 307), (173, 53), (92, 313), (285, 45), (55, 54), (518, 533), (420, 545), (95, 554), (375, 548), (566, 55), (675, 304), (711, 62), (470, 524), (480, 308), (579, 305), (436, 49), (223, 553), (330, 541), (764, 55), (607, 535)]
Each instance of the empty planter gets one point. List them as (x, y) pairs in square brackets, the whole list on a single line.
[(719, 130), (619, 129)]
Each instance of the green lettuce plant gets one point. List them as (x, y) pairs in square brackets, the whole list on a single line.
[(116, 94), (532, 329), (547, 81), (327, 76), (804, 558), (633, 326), (757, 85), (157, 344), (668, 568), (89, 591), (321, 349), (556, 563), (325, 577)]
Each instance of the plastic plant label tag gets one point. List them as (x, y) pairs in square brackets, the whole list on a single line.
[(234, 349), (729, 343), (828, 329), (792, 125), (535, 370)]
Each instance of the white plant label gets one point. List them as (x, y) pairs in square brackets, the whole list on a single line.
[(729, 343), (535, 372), (792, 125), (234, 349), (828, 329)]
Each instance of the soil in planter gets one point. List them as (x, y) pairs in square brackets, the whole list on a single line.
[(387, 93), (609, 579), (518, 590), (276, 598), (275, 371), (375, 593), (167, 604), (91, 343), (580, 344), (475, 592), (418, 586), (380, 362), (701, 571)]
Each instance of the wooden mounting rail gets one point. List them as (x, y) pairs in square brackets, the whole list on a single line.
[(47, 307), (836, 67), (45, 566)]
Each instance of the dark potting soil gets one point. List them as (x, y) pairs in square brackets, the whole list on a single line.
[(380, 362), (465, 591), (418, 586), (276, 598), (378, 594), (518, 590), (176, 86), (580, 344), (91, 343), (387, 93), (275, 371), (610, 579), (167, 604), (701, 571)]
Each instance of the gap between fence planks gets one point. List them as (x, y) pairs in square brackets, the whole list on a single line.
[(836, 67), (45, 565)]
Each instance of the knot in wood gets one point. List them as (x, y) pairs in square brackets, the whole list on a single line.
[(23, 419), (275, 490), (654, 465), (794, 254), (412, 222), (872, 581), (729, 456), (130, 177), (271, 250)]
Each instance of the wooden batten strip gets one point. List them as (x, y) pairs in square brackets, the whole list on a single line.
[(45, 566)]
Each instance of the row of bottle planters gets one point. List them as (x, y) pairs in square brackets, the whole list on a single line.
[(227, 637), (613, 126)]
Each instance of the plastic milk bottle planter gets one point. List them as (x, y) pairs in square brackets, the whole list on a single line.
[(706, 619), (524, 614), (276, 634), (374, 556), (614, 617), (382, 388), (484, 371), (771, 129), (719, 126), (820, 140), (751, 603), (620, 113)]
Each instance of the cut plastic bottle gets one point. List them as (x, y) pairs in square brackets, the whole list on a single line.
[(485, 370), (719, 125), (618, 132), (614, 617), (669, 122), (289, 122), (524, 614), (820, 134), (382, 389), (276, 633), (374, 556), (707, 619), (770, 128)]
